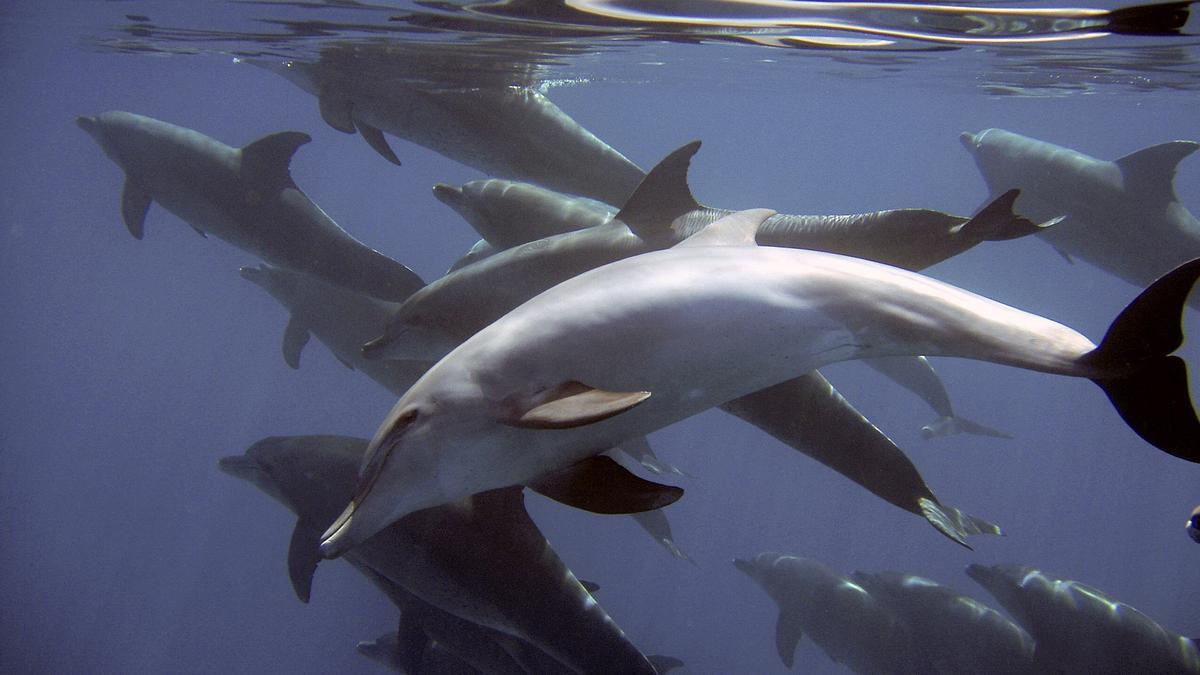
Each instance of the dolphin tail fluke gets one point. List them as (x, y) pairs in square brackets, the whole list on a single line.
[(998, 222), (953, 424), (954, 523), (1166, 18), (1149, 387)]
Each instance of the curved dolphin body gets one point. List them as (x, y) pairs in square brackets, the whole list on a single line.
[(482, 559), (958, 635), (1121, 216), (511, 131), (847, 623), (341, 319), (1082, 630), (644, 342), (244, 196)]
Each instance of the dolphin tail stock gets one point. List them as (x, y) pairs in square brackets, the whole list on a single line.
[(997, 221), (1148, 385), (954, 523), (953, 424)]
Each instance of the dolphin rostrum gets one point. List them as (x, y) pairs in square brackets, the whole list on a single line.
[(244, 196), (643, 342), (1121, 216)]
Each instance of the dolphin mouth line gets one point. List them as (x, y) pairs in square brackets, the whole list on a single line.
[(334, 541)]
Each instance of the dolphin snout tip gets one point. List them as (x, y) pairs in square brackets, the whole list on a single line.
[(88, 124), (374, 350), (447, 194), (969, 140), (743, 565), (252, 272)]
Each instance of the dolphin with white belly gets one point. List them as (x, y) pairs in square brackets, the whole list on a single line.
[(1122, 216), (244, 196), (1080, 629), (638, 344), (498, 128), (482, 560)]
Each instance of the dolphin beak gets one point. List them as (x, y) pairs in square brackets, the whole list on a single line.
[(969, 141), (448, 194), (744, 565), (250, 273), (240, 466), (88, 124), (337, 539), (375, 348)]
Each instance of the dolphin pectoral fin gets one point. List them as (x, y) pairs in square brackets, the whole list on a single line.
[(788, 632), (639, 449), (374, 138), (953, 424), (135, 202), (600, 485), (337, 111), (655, 524), (1148, 387), (1065, 256), (589, 586), (954, 523), (266, 162), (295, 336), (202, 233), (662, 196), (664, 664), (304, 552), (573, 404), (735, 229)]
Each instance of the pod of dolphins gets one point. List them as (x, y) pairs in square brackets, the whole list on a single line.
[(603, 303)]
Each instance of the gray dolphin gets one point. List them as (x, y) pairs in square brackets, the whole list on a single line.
[(959, 635), (500, 129), (244, 196), (482, 559), (340, 318), (510, 215), (1193, 525), (841, 617), (644, 342), (1121, 216), (1080, 629)]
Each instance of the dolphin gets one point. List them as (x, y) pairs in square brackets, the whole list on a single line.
[(1080, 629), (482, 559), (504, 130), (958, 635), (635, 345), (244, 196), (1121, 216), (340, 318), (1193, 525), (847, 623)]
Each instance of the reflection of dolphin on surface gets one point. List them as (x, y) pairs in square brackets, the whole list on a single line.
[(502, 130), (958, 635), (244, 196), (847, 623), (635, 345), (1079, 629), (1121, 216), (482, 559)]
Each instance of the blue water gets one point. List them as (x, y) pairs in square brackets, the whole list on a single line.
[(127, 368)]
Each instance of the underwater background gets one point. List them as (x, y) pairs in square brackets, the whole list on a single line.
[(127, 368)]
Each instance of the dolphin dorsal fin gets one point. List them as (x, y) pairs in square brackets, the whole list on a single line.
[(662, 196), (304, 552), (735, 229), (574, 404), (265, 162), (600, 485), (788, 632), (295, 337), (1153, 169)]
